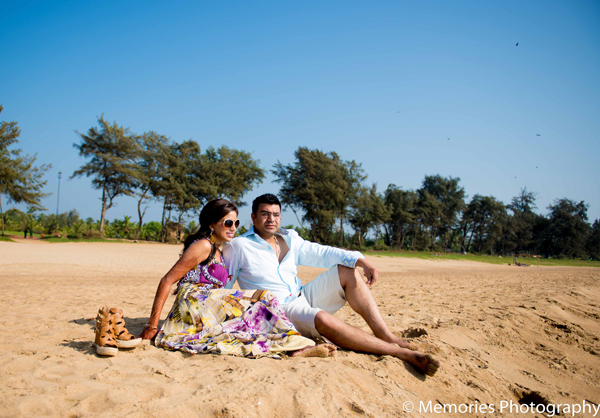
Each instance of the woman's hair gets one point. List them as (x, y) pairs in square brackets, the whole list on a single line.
[(212, 212)]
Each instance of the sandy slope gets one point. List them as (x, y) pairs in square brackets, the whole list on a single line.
[(499, 331)]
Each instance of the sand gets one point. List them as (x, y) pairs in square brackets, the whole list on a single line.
[(502, 333)]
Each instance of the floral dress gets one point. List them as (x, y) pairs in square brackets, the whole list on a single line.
[(206, 318)]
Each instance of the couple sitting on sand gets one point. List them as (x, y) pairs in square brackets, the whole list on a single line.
[(210, 317)]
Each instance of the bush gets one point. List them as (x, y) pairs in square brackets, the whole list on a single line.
[(563, 257), (172, 240), (92, 234), (381, 247)]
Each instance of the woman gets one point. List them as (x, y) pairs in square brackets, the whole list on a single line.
[(206, 318)]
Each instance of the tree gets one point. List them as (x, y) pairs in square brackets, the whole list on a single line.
[(314, 184), (181, 173), (150, 169), (522, 221), (188, 178), (402, 204), (485, 216), (593, 241), (112, 151), (228, 173), (20, 179), (441, 199), (568, 228), (354, 176), (369, 211)]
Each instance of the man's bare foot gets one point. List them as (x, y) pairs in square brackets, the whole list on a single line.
[(408, 346), (394, 339), (319, 350), (425, 363)]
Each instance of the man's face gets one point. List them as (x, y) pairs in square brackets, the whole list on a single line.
[(267, 219)]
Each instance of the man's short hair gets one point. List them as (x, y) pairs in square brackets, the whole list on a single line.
[(268, 198)]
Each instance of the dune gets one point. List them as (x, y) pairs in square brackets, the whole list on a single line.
[(502, 334)]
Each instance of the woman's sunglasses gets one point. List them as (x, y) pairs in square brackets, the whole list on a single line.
[(228, 223)]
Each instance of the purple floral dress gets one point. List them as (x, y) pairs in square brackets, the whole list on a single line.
[(206, 318)]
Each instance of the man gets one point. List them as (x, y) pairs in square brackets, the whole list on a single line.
[(267, 257)]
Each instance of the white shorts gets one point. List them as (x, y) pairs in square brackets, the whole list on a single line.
[(324, 293)]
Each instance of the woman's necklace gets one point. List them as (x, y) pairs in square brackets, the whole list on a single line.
[(277, 247)]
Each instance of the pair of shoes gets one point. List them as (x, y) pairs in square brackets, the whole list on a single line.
[(111, 333)]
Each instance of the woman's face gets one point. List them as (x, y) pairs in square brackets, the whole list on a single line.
[(223, 233)]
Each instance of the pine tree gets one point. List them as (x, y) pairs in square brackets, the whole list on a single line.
[(20, 179), (112, 151)]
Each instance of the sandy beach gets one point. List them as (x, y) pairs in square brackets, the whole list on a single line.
[(502, 334)]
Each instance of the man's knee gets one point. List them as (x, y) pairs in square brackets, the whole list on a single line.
[(324, 322), (348, 276)]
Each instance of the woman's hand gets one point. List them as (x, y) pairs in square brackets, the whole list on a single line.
[(148, 333)]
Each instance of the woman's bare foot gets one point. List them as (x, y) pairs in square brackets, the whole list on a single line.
[(319, 350)]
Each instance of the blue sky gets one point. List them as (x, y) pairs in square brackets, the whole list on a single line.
[(382, 83)]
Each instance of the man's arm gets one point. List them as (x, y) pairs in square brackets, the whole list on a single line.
[(317, 255)]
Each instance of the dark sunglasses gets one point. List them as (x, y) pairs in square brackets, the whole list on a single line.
[(228, 223)]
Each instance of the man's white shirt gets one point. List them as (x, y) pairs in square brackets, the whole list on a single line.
[(252, 262)]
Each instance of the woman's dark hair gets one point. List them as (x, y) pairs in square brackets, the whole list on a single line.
[(212, 212)]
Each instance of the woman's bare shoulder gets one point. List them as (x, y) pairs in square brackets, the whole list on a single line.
[(198, 250)]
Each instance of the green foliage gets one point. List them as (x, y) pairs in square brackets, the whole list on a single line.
[(20, 179), (189, 179), (593, 241), (150, 168), (368, 211), (320, 185), (241, 231), (229, 173), (151, 231), (568, 228), (112, 151), (440, 202), (484, 217), (402, 204), (122, 228)]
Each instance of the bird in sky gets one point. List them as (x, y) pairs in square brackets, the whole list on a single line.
[(517, 44), (448, 139), (538, 134)]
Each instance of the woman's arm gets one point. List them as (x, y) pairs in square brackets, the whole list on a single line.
[(194, 255)]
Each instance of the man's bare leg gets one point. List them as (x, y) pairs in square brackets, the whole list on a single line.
[(361, 299), (351, 338)]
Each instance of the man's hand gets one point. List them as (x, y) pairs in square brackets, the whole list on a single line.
[(369, 270)]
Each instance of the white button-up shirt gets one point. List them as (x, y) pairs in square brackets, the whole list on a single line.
[(252, 262)]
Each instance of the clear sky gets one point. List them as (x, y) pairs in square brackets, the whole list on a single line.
[(407, 88)]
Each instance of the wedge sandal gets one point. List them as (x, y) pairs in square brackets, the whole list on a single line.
[(105, 341), (122, 337)]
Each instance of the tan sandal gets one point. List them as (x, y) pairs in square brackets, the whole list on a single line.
[(122, 337), (105, 341)]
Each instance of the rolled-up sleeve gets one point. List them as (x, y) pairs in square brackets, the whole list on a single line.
[(317, 255), (232, 262)]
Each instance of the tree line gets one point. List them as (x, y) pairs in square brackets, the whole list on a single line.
[(326, 194), (435, 217)]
